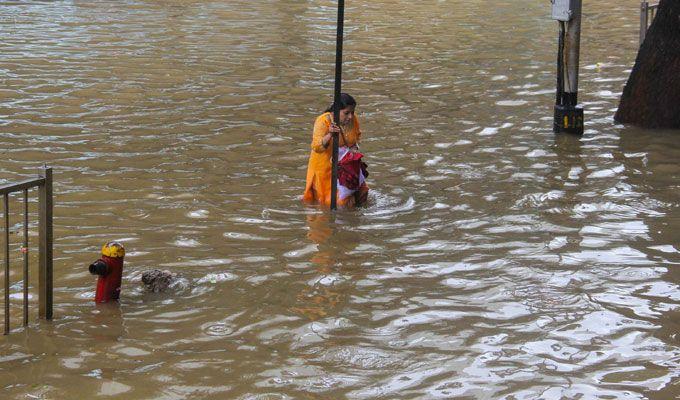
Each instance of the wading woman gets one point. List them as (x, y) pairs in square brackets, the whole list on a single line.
[(352, 189)]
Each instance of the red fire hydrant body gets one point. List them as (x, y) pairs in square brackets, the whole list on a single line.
[(110, 270)]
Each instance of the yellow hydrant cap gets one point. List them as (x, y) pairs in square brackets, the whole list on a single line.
[(113, 249)]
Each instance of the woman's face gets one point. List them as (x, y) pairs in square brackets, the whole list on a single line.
[(346, 115)]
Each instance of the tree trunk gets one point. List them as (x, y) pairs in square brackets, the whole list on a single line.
[(651, 97)]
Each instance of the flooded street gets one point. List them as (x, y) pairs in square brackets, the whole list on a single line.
[(495, 259)]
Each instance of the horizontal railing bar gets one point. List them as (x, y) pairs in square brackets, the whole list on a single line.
[(23, 185)]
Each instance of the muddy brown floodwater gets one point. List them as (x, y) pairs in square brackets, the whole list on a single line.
[(495, 260)]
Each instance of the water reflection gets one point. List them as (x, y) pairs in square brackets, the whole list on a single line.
[(648, 158), (106, 324), (326, 290), (567, 178), (319, 231)]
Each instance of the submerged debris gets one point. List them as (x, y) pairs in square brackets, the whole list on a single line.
[(157, 281)]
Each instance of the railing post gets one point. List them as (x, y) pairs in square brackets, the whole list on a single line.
[(24, 250), (644, 6), (6, 217), (45, 276)]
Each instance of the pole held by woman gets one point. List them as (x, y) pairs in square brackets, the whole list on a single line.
[(336, 101)]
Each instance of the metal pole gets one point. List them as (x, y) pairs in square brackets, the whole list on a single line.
[(560, 64), (45, 284), (644, 6), (6, 217), (568, 115), (572, 44), (25, 251), (336, 102)]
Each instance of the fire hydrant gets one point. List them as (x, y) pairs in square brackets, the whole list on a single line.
[(110, 270)]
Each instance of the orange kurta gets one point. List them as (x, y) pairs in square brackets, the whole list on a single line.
[(318, 188)]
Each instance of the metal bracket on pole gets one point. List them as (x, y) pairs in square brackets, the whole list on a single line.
[(563, 10)]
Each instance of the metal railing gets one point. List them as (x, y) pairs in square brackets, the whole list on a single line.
[(647, 14), (45, 277)]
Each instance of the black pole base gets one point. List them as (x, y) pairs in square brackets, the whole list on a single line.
[(568, 119)]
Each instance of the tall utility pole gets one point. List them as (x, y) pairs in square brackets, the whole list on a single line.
[(568, 115)]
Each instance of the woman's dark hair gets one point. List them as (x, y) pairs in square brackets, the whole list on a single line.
[(345, 101)]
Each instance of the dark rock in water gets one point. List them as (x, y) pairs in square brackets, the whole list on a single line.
[(157, 281)]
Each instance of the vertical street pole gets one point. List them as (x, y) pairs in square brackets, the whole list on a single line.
[(644, 6), (336, 102), (568, 115)]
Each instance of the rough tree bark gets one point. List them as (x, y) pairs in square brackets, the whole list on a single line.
[(651, 97)]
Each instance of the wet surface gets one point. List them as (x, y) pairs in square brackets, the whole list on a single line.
[(495, 259)]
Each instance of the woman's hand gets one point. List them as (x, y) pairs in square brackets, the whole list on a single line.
[(331, 130), (334, 128)]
